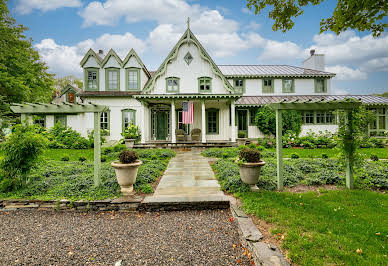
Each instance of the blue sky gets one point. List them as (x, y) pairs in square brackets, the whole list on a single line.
[(63, 30)]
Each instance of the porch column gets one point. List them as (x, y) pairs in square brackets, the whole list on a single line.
[(173, 122), (203, 129), (233, 114)]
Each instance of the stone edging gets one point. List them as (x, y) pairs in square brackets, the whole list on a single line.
[(263, 253)]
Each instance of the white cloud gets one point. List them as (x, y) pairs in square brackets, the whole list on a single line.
[(347, 73), (275, 51), (252, 26), (246, 10), (27, 6)]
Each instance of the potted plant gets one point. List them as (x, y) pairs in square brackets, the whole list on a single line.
[(131, 134), (250, 164), (241, 138), (126, 170)]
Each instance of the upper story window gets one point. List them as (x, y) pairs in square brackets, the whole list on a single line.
[(172, 84), (239, 85), (112, 79), (288, 86), (91, 79), (204, 84), (268, 86), (133, 79), (320, 85)]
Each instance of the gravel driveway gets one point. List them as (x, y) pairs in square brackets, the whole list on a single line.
[(63, 238)]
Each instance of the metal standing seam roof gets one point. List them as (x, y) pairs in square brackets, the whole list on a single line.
[(261, 100), (270, 70)]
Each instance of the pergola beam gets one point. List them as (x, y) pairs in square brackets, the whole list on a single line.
[(65, 108)]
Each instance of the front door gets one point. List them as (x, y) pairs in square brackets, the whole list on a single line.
[(161, 125), (242, 120)]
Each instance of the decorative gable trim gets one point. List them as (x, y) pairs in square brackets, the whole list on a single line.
[(91, 53), (69, 87), (108, 55), (188, 37), (134, 54)]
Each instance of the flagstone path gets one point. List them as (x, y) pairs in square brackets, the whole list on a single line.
[(188, 178)]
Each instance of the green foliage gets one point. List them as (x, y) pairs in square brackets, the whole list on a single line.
[(227, 173), (103, 159), (128, 156), (65, 138), (62, 83), (374, 157), (132, 132), (242, 134), (325, 156), (82, 159), (348, 14), (103, 134), (249, 155), (65, 158), (146, 188), (266, 121), (23, 75), (21, 152), (220, 152), (294, 156)]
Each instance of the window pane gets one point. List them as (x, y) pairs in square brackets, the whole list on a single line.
[(113, 79), (321, 117), (288, 85), (308, 117), (381, 122), (92, 79), (132, 80), (320, 85), (104, 121)]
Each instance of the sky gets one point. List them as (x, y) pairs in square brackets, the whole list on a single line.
[(63, 30)]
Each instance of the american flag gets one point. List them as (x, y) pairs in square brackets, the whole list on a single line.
[(187, 112)]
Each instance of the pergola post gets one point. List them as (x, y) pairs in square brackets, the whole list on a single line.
[(97, 149), (279, 149), (173, 122), (349, 156)]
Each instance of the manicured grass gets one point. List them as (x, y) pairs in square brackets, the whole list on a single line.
[(74, 155), (382, 153), (328, 227)]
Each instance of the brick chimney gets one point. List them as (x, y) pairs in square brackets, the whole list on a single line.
[(315, 61)]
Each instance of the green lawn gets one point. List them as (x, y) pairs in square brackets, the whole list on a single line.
[(326, 228), (57, 154), (382, 153)]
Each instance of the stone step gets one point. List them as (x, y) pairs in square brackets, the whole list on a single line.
[(170, 203)]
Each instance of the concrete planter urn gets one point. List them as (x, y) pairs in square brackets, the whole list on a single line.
[(126, 171), (241, 141), (129, 143), (250, 164)]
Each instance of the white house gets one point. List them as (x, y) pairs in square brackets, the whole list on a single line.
[(225, 96)]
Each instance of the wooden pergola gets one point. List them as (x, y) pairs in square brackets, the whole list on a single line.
[(68, 108), (321, 105)]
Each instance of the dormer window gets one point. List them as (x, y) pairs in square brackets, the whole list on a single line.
[(112, 79), (70, 96), (91, 79), (133, 79), (239, 85), (268, 86), (172, 84), (204, 84), (320, 86)]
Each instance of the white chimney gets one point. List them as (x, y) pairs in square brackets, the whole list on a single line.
[(315, 61)]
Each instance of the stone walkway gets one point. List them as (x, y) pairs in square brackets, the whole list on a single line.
[(188, 178)]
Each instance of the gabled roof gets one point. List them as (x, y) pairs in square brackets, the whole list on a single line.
[(92, 54), (131, 53), (271, 71), (69, 87), (187, 37), (108, 55)]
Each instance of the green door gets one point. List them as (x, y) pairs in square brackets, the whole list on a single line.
[(242, 120), (161, 125)]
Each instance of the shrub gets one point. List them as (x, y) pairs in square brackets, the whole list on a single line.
[(252, 146), (325, 156), (103, 159), (82, 159), (103, 134), (127, 156), (374, 157), (294, 156), (107, 150), (241, 134), (146, 188), (21, 152), (249, 155), (118, 148), (65, 158), (132, 132), (220, 152), (66, 138)]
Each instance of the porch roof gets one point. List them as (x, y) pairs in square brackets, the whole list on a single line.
[(56, 108), (186, 96)]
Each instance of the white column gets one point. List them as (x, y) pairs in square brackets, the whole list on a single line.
[(143, 124), (233, 126), (203, 122), (173, 122)]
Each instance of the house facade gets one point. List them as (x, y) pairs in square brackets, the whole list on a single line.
[(225, 97)]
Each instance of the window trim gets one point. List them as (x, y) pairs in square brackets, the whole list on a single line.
[(377, 130), (127, 76), (243, 86), (107, 70), (129, 110), (172, 78), (58, 115), (315, 120), (86, 73), (324, 85), (40, 116), (252, 111), (272, 86), (217, 121), (204, 78), (292, 86), (108, 121)]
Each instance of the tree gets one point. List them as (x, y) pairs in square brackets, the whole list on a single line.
[(61, 83), (362, 15), (266, 121), (23, 76)]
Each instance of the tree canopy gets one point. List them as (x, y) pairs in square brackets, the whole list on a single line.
[(61, 83), (23, 76), (361, 15)]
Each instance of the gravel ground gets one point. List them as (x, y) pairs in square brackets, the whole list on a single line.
[(168, 238)]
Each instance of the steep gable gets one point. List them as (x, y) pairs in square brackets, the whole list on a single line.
[(91, 54), (132, 54), (108, 56)]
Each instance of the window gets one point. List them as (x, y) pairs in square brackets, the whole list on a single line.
[(308, 117), (321, 117), (268, 86), (380, 124), (133, 79), (288, 86), (212, 121), (91, 79), (204, 84), (188, 58), (70, 97), (252, 116), (129, 116), (172, 84), (40, 120), (112, 79), (320, 85), (318, 117), (185, 127), (60, 119), (104, 120), (239, 85)]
